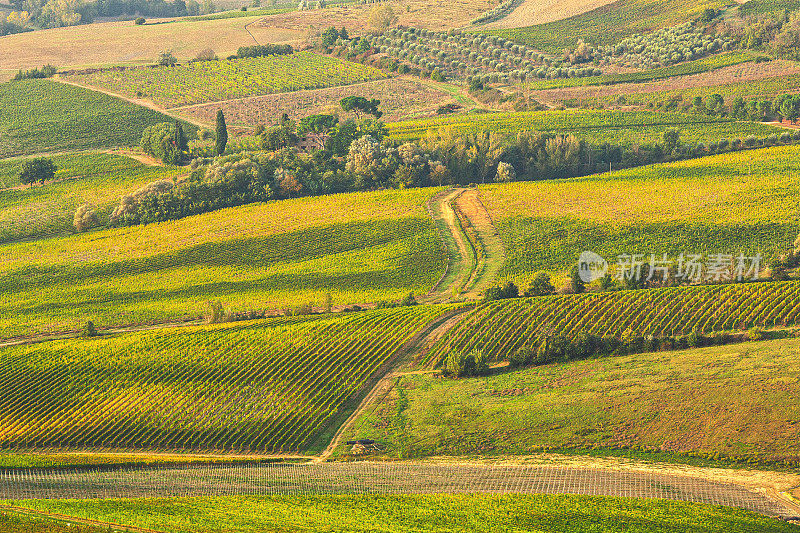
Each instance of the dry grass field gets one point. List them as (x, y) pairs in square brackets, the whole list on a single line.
[(543, 11), (124, 43), (400, 100), (429, 14)]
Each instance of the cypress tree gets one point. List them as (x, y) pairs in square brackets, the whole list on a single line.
[(222, 133)]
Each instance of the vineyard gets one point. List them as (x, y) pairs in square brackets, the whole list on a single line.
[(400, 99), (95, 179), (607, 25), (259, 386), (41, 115), (210, 81), (499, 329), (359, 248), (741, 201), (597, 126)]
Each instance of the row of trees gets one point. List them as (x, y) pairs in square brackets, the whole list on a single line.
[(58, 13), (785, 107)]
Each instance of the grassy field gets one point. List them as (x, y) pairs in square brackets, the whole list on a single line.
[(97, 179), (742, 201), (417, 513), (124, 43), (500, 328), (360, 248), (598, 126), (735, 402), (263, 386), (610, 23), (400, 99), (46, 116), (209, 81)]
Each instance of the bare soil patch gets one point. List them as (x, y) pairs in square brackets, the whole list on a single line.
[(533, 12), (120, 43), (732, 74), (400, 99)]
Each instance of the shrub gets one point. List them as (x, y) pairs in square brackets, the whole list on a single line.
[(139, 21), (164, 141), (755, 334), (540, 285), (466, 364), (85, 218), (88, 330), (216, 313), (166, 59)]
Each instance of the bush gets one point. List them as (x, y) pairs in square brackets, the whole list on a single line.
[(159, 140), (466, 364), (84, 218), (39, 169), (88, 330), (166, 59), (216, 313), (509, 290), (540, 286), (139, 21), (755, 334)]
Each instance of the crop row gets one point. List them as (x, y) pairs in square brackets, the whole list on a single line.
[(260, 386), (211, 81), (500, 328)]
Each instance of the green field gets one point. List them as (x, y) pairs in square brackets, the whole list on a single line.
[(500, 328), (735, 402), (211, 81), (46, 116), (97, 179), (263, 386), (609, 24), (731, 203), (683, 69), (597, 126), (418, 513), (360, 248)]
